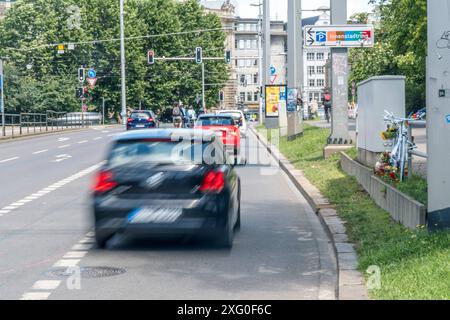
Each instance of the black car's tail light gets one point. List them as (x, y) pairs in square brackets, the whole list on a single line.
[(150, 120), (213, 182), (130, 119), (104, 182)]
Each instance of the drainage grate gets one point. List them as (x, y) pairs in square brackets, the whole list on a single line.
[(87, 272)]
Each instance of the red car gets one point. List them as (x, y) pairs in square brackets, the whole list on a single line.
[(226, 126)]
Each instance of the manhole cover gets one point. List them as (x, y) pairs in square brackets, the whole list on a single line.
[(87, 272)]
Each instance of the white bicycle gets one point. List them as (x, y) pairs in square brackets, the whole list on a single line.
[(402, 145)]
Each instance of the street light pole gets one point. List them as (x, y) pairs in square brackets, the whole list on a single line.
[(2, 101), (103, 110), (122, 63), (260, 60)]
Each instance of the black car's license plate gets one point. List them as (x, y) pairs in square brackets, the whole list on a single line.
[(154, 215)]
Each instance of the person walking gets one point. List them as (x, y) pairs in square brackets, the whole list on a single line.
[(177, 116)]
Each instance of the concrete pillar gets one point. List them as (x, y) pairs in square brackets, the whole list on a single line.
[(339, 126), (438, 114)]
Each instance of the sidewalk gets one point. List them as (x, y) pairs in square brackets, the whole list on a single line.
[(420, 136)]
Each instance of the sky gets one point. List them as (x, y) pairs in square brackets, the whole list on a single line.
[(279, 8)]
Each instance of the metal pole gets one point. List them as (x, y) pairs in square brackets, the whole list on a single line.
[(266, 47), (103, 110), (260, 63), (203, 88), (122, 63), (2, 101)]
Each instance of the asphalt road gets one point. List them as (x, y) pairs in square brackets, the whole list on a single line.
[(281, 252)]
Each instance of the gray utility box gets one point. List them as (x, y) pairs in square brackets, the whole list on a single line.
[(375, 95)]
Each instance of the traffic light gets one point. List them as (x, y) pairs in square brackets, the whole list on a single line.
[(198, 55), (228, 56), (81, 75), (151, 57), (221, 96), (79, 93)]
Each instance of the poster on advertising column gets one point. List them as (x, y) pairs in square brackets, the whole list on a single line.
[(276, 100)]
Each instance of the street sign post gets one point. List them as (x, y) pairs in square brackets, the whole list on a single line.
[(339, 36), (92, 73), (92, 82)]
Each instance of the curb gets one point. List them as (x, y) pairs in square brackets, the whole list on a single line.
[(351, 284)]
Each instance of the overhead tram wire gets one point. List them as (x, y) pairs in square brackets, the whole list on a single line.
[(94, 42)]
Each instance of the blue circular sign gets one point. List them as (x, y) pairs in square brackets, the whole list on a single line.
[(273, 70), (92, 73)]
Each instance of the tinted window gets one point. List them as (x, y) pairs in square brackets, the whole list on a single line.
[(215, 121), (140, 115), (166, 152)]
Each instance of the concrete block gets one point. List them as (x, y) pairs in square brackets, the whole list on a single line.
[(333, 149)]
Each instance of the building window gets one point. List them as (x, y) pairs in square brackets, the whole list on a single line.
[(242, 44), (320, 82), (312, 82), (255, 78), (242, 96), (241, 63), (320, 56), (249, 79), (249, 96), (256, 96), (254, 44), (255, 62), (249, 44), (310, 56), (242, 79), (320, 70), (248, 63), (311, 70)]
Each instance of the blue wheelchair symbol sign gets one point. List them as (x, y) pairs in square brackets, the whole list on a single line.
[(321, 36), (92, 73)]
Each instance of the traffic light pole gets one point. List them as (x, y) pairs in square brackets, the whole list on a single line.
[(203, 87), (2, 100)]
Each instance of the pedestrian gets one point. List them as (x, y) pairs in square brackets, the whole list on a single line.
[(176, 116)]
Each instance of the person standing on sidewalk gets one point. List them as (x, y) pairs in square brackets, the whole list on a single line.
[(326, 100)]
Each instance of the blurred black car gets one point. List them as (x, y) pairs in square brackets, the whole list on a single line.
[(144, 119), (156, 183)]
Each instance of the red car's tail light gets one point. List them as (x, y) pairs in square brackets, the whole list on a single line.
[(213, 182), (150, 120), (104, 182), (130, 120)]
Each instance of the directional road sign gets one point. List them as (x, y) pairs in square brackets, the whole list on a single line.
[(339, 36), (92, 73)]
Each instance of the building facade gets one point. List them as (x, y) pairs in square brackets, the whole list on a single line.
[(4, 6)]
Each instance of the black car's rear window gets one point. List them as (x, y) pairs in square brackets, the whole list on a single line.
[(165, 152), (140, 115), (215, 121)]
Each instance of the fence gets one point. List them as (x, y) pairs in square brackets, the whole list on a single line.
[(29, 123)]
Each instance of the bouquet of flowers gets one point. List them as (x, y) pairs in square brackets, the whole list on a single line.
[(388, 172), (390, 133)]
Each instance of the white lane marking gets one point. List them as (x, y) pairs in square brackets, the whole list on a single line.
[(41, 151), (81, 142), (10, 159), (81, 247), (87, 241), (111, 135), (98, 138), (66, 263), (70, 259), (62, 157), (49, 189), (63, 139), (64, 146), (105, 131), (46, 285), (75, 254), (35, 296)]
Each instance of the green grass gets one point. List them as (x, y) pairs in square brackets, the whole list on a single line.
[(414, 264), (415, 187)]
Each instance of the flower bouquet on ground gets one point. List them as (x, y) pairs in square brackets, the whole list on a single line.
[(387, 171)]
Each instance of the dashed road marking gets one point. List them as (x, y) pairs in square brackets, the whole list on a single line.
[(35, 296), (49, 189), (64, 146), (41, 151), (81, 247), (8, 160), (46, 285), (42, 289), (84, 141), (63, 139), (98, 138)]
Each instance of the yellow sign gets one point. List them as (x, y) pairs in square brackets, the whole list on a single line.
[(275, 96), (60, 48)]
